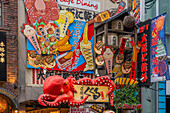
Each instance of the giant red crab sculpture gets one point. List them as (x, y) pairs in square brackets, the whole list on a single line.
[(58, 90)]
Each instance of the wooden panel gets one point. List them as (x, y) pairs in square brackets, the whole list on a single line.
[(96, 93)]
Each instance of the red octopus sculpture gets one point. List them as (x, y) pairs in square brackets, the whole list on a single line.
[(58, 90)]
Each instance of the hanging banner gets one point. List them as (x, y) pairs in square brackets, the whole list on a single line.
[(83, 4), (159, 63), (143, 62)]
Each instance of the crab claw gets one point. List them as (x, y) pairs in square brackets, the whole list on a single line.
[(43, 97), (72, 81), (111, 95), (77, 103)]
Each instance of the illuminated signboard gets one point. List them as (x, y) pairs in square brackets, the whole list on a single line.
[(2, 56), (144, 53)]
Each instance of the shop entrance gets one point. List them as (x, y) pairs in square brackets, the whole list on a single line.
[(6, 104), (168, 103)]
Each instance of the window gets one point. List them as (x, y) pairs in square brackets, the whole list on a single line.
[(1, 18)]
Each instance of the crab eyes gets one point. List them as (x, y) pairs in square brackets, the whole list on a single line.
[(65, 83)]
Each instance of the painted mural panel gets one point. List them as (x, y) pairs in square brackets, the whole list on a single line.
[(53, 42)]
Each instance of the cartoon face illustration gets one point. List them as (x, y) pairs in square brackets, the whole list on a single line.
[(108, 52), (29, 30), (119, 58)]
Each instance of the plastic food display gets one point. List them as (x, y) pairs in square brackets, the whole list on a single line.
[(86, 50)]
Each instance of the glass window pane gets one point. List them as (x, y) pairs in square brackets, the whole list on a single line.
[(164, 7), (0, 12), (150, 13)]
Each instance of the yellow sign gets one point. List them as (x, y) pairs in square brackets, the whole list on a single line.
[(96, 93)]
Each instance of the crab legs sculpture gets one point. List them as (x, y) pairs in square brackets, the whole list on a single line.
[(58, 90)]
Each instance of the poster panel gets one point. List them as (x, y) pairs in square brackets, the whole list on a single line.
[(159, 63)]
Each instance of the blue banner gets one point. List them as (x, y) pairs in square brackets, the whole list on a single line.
[(158, 58)]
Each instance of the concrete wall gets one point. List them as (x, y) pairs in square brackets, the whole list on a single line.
[(149, 107), (25, 93)]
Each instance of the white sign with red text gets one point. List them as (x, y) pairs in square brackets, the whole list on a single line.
[(36, 77), (85, 108), (83, 4)]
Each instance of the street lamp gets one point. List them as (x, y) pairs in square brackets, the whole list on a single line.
[(15, 110)]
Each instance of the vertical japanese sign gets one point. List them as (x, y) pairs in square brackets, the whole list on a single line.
[(143, 63), (159, 63), (2, 56)]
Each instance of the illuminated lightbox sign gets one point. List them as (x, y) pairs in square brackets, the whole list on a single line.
[(2, 56), (144, 53), (83, 4)]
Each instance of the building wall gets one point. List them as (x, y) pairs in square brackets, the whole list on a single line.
[(10, 24), (21, 50), (10, 21)]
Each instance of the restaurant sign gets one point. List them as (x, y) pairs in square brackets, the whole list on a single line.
[(96, 93), (3, 56), (144, 53), (83, 4)]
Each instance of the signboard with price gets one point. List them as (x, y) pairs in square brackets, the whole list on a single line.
[(96, 93)]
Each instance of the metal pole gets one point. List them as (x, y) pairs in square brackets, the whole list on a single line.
[(142, 10), (142, 18), (157, 83)]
